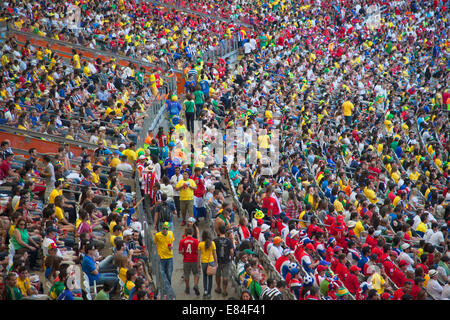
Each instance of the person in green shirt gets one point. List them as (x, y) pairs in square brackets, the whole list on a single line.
[(140, 76), (189, 108), (198, 99), (154, 149), (12, 292), (105, 292)]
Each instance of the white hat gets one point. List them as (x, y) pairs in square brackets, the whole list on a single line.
[(122, 146), (141, 157), (432, 272), (264, 227), (294, 232), (127, 232), (191, 219), (351, 224), (377, 233), (136, 226), (102, 128), (287, 251), (405, 246)]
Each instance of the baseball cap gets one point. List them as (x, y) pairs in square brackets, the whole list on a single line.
[(142, 157), (403, 263), (277, 240), (377, 233), (309, 246), (191, 219), (259, 222), (127, 232), (248, 251), (51, 229), (405, 246), (355, 268), (337, 248), (386, 296), (321, 268), (265, 227), (287, 251)]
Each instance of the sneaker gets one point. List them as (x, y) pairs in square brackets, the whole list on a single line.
[(186, 291), (205, 295), (208, 296), (197, 292), (183, 223)]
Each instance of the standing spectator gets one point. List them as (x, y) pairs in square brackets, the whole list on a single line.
[(225, 251), (186, 187), (163, 241), (48, 172), (207, 256), (188, 247)]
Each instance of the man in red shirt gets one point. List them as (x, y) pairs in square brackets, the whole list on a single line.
[(352, 282), (270, 203), (257, 230), (401, 291), (398, 276), (378, 250), (341, 269), (188, 247), (418, 285), (199, 207), (5, 167), (330, 249), (388, 264)]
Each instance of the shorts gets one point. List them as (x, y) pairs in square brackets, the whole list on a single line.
[(224, 270), (187, 206), (190, 267)]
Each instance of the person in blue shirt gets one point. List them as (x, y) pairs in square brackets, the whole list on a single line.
[(364, 258), (173, 107), (190, 84), (169, 166), (204, 85), (89, 267)]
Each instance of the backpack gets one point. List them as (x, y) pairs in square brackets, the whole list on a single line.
[(164, 213)]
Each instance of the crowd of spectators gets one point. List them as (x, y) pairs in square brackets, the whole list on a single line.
[(359, 204), (357, 207)]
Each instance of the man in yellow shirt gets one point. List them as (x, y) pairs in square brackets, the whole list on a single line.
[(164, 240), (348, 109), (56, 192), (24, 284), (186, 187), (115, 160), (76, 60)]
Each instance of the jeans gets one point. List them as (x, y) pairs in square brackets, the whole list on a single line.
[(107, 265), (167, 269), (190, 116), (107, 276), (207, 280)]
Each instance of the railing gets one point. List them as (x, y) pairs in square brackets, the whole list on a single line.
[(47, 137), (64, 47), (156, 117), (166, 4)]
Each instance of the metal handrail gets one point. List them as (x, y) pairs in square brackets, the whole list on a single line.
[(48, 137), (86, 49)]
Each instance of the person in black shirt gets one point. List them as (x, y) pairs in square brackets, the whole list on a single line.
[(225, 250)]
